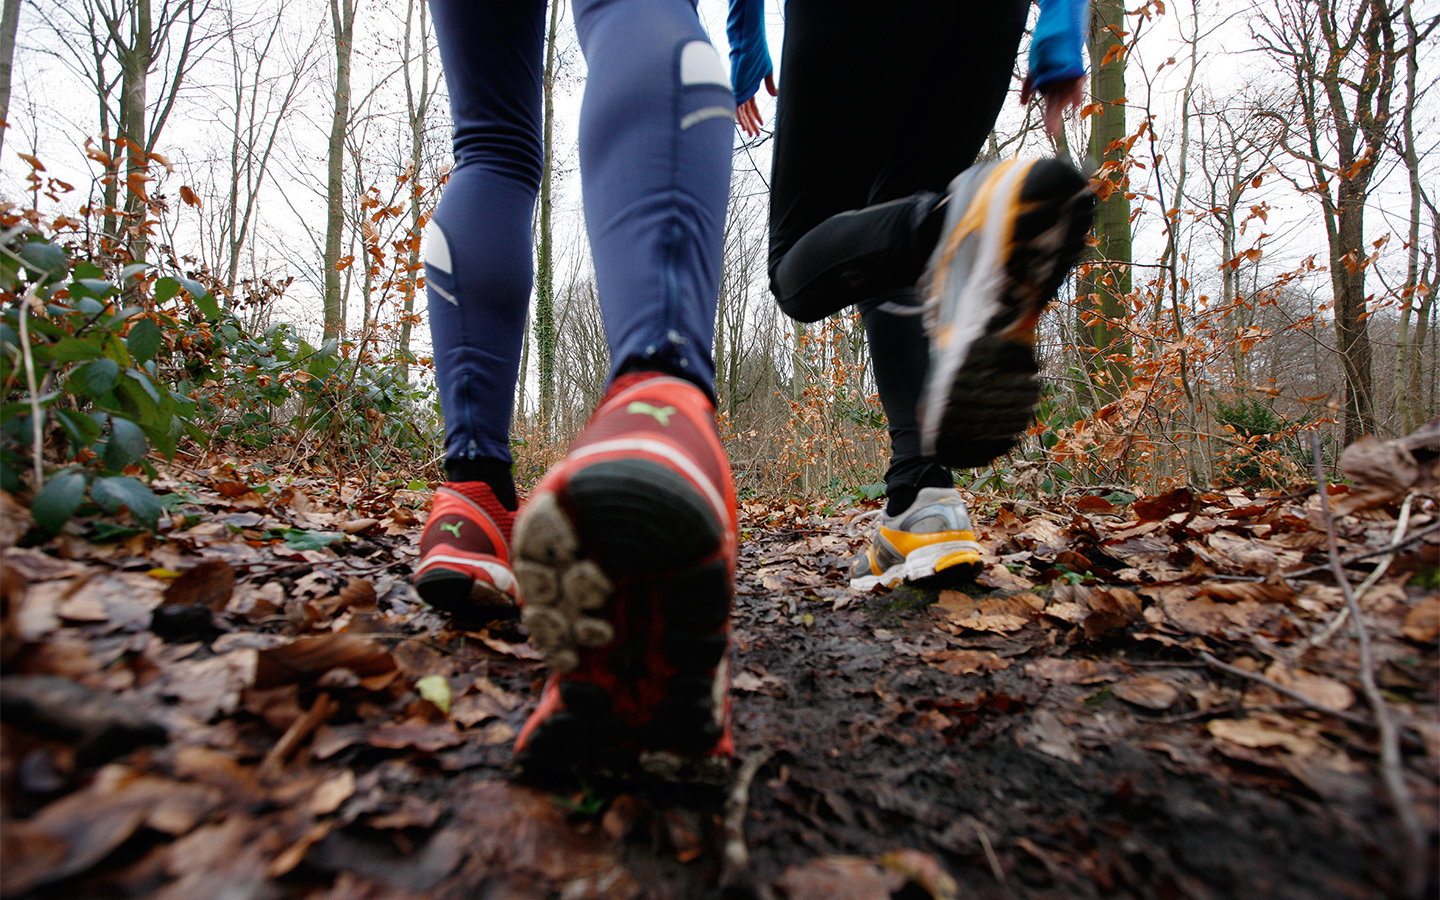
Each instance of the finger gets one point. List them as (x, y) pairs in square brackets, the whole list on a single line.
[(749, 117), (770, 84)]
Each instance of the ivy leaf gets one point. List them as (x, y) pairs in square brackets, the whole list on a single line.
[(144, 340), (58, 499), (127, 444), (116, 491)]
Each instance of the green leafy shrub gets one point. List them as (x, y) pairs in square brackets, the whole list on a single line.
[(82, 383), (1259, 447)]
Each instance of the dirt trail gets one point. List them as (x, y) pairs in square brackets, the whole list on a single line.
[(1127, 704)]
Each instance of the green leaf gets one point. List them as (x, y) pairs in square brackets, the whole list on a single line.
[(82, 430), (126, 446), (58, 499), (71, 349), (145, 383), (44, 260), (436, 689), (87, 269), (9, 274), (97, 286), (144, 340), (123, 316), (196, 289), (100, 376), (209, 306), (298, 539), (103, 532), (165, 288), (132, 270), (121, 490)]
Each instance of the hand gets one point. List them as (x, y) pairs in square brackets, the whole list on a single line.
[(1059, 97), (748, 112)]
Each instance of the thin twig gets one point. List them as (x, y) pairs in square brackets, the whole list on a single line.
[(1370, 580), (320, 711), (992, 858), (1391, 764), (37, 423), (737, 879)]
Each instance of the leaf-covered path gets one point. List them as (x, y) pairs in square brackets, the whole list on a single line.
[(1131, 701)]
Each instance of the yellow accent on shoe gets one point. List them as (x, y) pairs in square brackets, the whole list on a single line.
[(906, 543), (958, 558), (974, 217), (874, 563)]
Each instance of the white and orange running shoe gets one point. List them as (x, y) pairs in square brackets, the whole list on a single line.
[(625, 553), (932, 536), (1013, 231)]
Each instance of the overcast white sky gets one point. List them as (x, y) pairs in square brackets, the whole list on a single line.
[(53, 111)]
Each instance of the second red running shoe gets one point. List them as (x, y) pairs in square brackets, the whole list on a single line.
[(464, 565), (626, 558)]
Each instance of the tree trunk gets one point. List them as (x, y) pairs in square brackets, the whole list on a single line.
[(417, 103), (9, 23), (1102, 293), (545, 266), (134, 67), (342, 20)]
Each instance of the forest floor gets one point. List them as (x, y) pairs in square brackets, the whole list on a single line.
[(1153, 698)]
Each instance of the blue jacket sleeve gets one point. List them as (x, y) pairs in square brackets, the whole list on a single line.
[(1057, 47), (749, 56)]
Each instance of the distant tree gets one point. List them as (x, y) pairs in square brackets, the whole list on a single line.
[(9, 23), (1102, 292), (544, 321), (1417, 296), (342, 23), (419, 94), (144, 41), (1342, 56)]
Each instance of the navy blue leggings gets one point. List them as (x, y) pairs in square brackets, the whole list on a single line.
[(656, 129)]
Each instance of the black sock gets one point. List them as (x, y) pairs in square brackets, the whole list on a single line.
[(494, 472)]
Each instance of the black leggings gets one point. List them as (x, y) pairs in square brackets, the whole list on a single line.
[(878, 111)]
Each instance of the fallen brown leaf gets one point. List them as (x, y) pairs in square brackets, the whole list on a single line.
[(966, 662), (418, 734), (209, 584), (1257, 733), (1147, 691), (1071, 671), (306, 659), (1154, 508), (840, 878), (1324, 692), (1422, 624), (1111, 609)]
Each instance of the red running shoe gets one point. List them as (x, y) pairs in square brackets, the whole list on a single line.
[(464, 551), (626, 558)]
